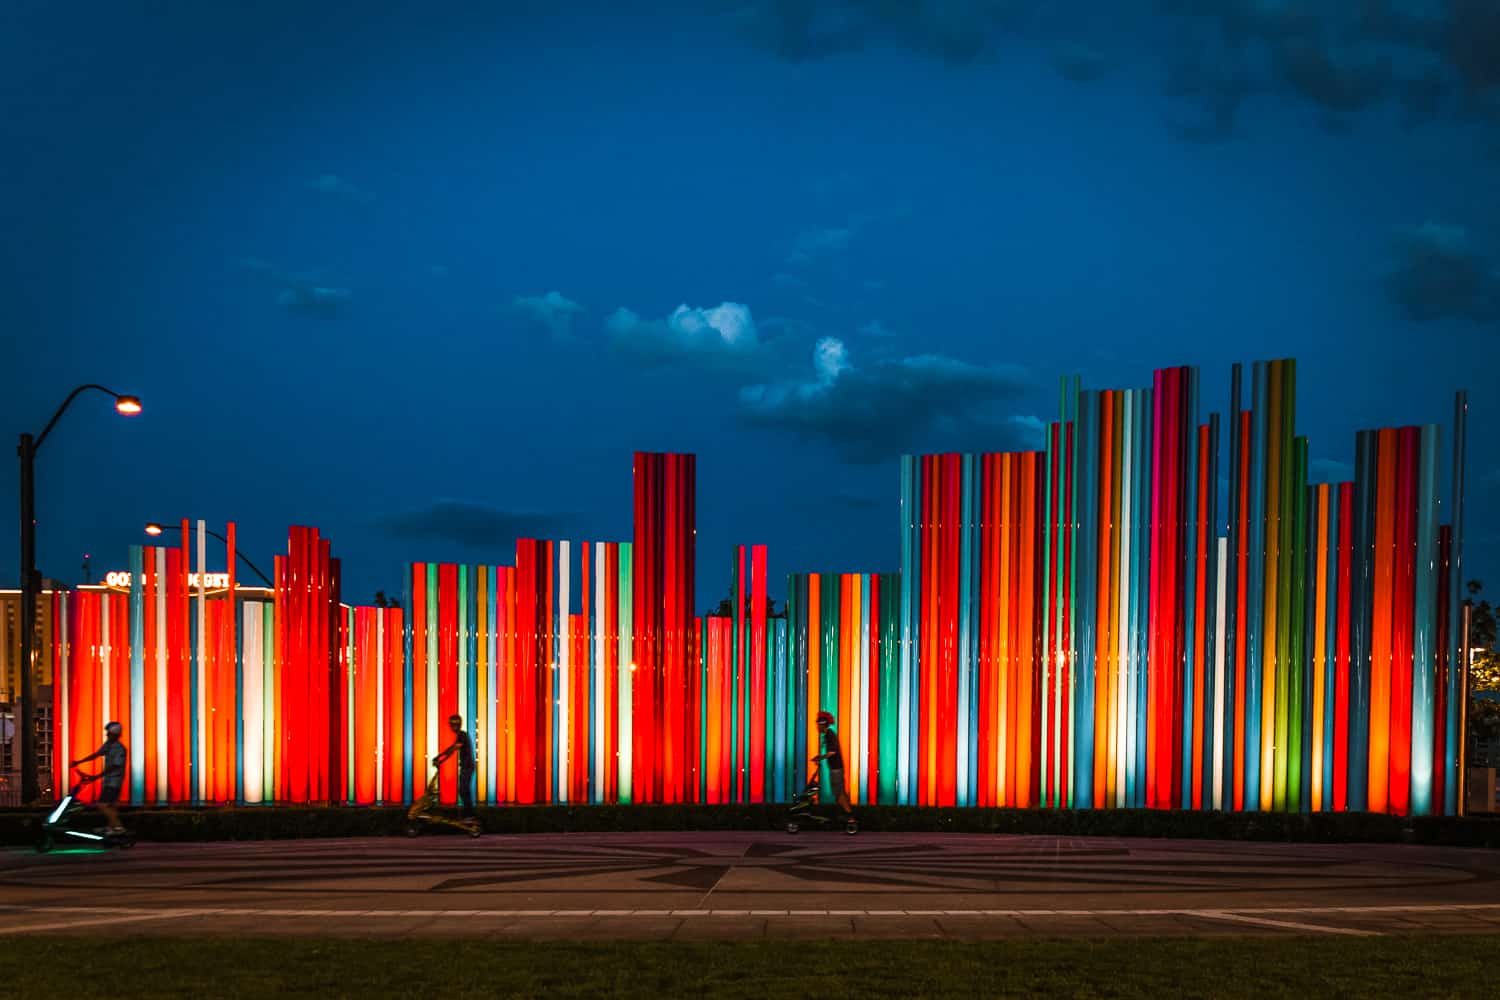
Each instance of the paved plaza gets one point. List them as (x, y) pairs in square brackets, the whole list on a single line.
[(749, 885)]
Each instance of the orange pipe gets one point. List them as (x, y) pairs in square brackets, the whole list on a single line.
[(1267, 748), (1103, 647), (1026, 662), (1381, 616), (1005, 771)]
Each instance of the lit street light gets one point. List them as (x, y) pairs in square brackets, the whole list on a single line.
[(31, 585), (155, 528)]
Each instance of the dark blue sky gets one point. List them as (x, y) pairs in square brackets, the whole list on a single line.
[(411, 272)]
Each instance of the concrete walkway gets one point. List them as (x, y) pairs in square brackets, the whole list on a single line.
[(750, 885)]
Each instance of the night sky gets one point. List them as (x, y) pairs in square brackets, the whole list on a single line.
[(425, 275)]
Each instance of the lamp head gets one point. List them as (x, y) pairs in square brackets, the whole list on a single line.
[(128, 405), (153, 529)]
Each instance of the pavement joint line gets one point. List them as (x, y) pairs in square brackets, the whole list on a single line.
[(1295, 925), (63, 925), (1266, 913)]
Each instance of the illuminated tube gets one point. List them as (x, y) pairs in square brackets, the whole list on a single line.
[(252, 700), (1256, 586), (908, 520), (1453, 752), (1120, 697), (137, 671), (627, 668), (1424, 657), (562, 668)]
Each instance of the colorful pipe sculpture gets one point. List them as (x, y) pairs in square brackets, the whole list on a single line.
[(1130, 616)]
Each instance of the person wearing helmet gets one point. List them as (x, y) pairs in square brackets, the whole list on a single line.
[(464, 747), (833, 753), (112, 778)]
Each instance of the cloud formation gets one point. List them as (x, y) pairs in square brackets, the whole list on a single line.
[(471, 524), (300, 294), (1472, 42), (725, 335), (551, 313), (922, 402), (1339, 56), (1437, 274)]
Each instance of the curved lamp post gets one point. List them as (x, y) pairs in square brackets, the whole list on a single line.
[(31, 584), (155, 528)]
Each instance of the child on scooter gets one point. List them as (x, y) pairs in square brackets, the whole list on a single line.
[(112, 778), (833, 753)]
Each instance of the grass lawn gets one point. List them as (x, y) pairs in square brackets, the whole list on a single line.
[(1321, 968)]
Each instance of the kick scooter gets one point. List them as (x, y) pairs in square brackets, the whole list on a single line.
[(424, 811), (802, 811), (62, 825)]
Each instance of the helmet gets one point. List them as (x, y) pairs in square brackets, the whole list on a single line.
[(112, 729), (825, 718)]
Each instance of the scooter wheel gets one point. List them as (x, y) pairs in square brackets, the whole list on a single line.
[(44, 843), (851, 827), (475, 832), (792, 826), (412, 829)]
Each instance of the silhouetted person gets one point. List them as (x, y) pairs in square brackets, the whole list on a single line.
[(112, 778), (833, 752), (464, 747)]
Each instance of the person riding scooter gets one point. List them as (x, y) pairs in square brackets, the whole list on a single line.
[(464, 747), (833, 753), (112, 778)]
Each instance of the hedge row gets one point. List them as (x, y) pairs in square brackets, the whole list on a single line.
[(275, 822)]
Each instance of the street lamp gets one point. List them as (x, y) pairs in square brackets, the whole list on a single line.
[(30, 584), (155, 528)]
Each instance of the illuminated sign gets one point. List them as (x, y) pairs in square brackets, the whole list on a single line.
[(120, 579)]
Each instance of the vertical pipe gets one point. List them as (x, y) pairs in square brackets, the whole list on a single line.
[(1361, 599), (1458, 634), (1256, 632), (1424, 653)]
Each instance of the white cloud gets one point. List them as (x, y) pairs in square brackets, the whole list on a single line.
[(729, 321), (726, 331), (552, 312), (830, 359)]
